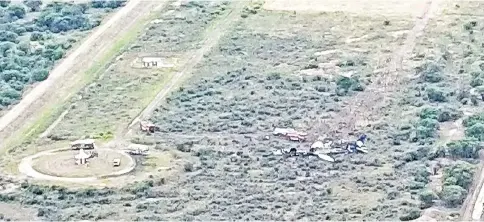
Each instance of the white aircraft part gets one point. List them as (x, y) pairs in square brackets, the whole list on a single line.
[(359, 143), (277, 152), (283, 131), (325, 157), (317, 145), (362, 149)]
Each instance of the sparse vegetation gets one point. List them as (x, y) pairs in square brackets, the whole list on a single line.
[(51, 31), (263, 73), (427, 197)]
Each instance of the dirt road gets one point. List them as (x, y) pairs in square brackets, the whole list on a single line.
[(472, 208), (211, 39), (366, 107), (68, 74)]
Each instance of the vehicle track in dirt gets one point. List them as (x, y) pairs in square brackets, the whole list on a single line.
[(67, 74), (367, 107), (211, 39)]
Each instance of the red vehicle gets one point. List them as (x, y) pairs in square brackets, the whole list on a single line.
[(148, 127)]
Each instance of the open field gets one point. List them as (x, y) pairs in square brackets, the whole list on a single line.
[(358, 7), (409, 77)]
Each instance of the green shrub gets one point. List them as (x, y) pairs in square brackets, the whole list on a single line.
[(8, 36), (33, 5), (36, 36), (107, 3), (422, 175), (465, 148), (40, 75), (139, 187), (346, 84), (414, 155), (453, 195), (5, 3), (427, 197), (16, 11), (442, 114), (427, 128), (476, 131), (460, 174), (62, 17), (436, 95), (477, 82), (471, 120), (448, 115), (431, 72), (410, 214), (429, 113)]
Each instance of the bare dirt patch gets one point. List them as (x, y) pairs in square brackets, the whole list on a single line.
[(62, 164), (451, 131), (16, 212), (361, 7)]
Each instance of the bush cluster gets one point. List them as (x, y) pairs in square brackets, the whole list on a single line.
[(24, 62)]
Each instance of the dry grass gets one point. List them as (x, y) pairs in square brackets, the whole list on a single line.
[(360, 7), (16, 212)]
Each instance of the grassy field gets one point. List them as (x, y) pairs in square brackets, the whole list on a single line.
[(119, 95), (268, 73), (283, 69)]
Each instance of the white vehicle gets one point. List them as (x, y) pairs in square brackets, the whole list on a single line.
[(116, 162), (83, 144)]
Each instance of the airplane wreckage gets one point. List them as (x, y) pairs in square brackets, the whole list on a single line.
[(322, 148)]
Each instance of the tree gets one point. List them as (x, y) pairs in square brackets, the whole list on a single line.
[(33, 5), (453, 195)]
